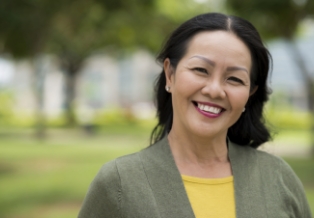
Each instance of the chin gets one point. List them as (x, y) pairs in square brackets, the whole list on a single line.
[(207, 132)]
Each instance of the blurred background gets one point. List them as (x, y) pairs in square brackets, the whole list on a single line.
[(76, 90)]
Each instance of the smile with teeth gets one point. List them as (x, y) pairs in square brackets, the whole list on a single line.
[(208, 108)]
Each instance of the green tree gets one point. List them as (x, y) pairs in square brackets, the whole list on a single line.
[(24, 27), (82, 28), (281, 18), (73, 30)]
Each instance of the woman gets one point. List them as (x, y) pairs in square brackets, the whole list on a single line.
[(203, 160)]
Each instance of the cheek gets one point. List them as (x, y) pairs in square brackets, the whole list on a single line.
[(239, 98), (182, 77), (184, 88), (188, 82)]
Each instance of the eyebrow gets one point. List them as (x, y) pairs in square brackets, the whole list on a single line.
[(213, 63), (236, 68)]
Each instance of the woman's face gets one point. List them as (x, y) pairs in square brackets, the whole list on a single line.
[(210, 85)]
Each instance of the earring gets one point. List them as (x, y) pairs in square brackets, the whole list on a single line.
[(167, 88), (243, 110)]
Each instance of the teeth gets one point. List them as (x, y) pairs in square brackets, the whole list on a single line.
[(210, 109)]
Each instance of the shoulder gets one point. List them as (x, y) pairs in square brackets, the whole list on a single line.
[(103, 198), (111, 171), (276, 175), (288, 184), (132, 164), (268, 165), (105, 190), (262, 158), (267, 159)]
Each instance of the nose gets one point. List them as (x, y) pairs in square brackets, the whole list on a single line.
[(214, 89)]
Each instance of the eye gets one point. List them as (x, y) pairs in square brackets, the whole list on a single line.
[(199, 69), (235, 79)]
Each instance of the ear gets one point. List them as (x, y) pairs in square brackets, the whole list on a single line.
[(168, 72), (254, 90)]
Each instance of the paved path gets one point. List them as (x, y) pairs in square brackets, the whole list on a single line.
[(287, 150)]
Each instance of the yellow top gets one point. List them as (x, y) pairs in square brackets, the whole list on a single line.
[(211, 197)]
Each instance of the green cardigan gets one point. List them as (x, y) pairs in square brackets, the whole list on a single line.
[(148, 184)]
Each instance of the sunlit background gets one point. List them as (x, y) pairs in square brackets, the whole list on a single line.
[(76, 90)]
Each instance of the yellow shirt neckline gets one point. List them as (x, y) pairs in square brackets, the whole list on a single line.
[(211, 197), (208, 181)]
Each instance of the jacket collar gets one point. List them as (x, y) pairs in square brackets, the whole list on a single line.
[(168, 188), (248, 182), (165, 181)]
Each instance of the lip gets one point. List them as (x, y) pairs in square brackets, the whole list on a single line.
[(207, 114)]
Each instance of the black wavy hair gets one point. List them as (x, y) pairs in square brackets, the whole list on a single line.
[(250, 129)]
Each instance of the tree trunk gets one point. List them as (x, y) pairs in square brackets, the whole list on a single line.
[(308, 83), (71, 70), (39, 81)]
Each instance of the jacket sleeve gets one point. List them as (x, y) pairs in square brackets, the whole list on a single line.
[(293, 191), (103, 197)]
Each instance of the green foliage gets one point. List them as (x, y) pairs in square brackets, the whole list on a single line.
[(22, 121), (24, 25), (115, 116), (273, 18), (110, 118), (77, 28), (180, 11), (6, 114), (281, 118)]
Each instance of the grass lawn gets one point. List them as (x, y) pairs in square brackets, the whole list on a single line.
[(49, 179)]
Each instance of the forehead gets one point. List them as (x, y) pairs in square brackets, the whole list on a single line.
[(219, 45)]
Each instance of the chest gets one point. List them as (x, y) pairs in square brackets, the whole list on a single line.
[(142, 200)]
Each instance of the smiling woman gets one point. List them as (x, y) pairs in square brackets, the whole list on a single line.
[(203, 161), (212, 80)]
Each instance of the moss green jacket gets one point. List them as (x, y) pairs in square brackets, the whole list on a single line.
[(148, 184)]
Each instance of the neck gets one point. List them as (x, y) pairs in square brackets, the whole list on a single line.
[(200, 157), (196, 149)]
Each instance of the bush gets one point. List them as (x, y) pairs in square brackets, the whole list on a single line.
[(284, 118), (6, 107)]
